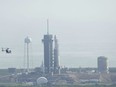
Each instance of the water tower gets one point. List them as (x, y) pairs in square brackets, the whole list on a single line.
[(27, 42)]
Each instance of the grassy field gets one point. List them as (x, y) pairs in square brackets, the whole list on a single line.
[(23, 85), (6, 72)]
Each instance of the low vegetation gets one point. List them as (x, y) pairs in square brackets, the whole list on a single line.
[(84, 85)]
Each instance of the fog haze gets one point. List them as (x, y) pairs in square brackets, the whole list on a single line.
[(86, 29)]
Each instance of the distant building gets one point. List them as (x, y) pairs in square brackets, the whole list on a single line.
[(102, 64), (12, 70)]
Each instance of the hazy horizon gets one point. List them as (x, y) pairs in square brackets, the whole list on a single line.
[(86, 29)]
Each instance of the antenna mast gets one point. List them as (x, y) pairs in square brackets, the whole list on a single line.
[(48, 26)]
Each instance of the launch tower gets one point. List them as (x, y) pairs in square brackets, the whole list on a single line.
[(51, 62), (48, 51)]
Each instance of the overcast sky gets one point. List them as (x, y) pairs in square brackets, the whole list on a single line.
[(86, 29)]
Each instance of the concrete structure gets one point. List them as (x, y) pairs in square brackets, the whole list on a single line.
[(42, 80), (48, 51), (102, 64)]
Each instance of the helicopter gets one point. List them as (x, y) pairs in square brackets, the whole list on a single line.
[(7, 50)]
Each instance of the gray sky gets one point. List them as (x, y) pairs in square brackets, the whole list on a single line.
[(86, 29)]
